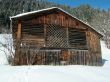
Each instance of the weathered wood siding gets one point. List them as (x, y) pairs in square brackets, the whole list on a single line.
[(53, 57), (59, 19), (94, 48), (52, 31)]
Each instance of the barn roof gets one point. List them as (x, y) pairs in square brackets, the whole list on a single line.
[(49, 9)]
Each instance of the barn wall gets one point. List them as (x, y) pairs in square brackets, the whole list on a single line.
[(57, 19), (94, 48), (60, 19), (53, 57), (92, 56)]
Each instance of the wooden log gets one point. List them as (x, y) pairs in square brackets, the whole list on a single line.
[(19, 30)]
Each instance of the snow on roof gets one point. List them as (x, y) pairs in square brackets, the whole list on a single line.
[(38, 11), (32, 12)]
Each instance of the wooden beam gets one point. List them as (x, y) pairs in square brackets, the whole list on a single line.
[(17, 57), (45, 36), (67, 36), (19, 30)]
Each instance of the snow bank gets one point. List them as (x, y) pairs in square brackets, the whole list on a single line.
[(4, 39), (105, 54), (54, 74), (70, 73)]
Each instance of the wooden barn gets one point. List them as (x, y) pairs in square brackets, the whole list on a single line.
[(54, 37)]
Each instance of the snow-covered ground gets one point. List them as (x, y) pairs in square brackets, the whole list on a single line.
[(70, 73), (5, 39)]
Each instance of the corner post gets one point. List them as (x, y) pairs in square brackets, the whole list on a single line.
[(17, 57)]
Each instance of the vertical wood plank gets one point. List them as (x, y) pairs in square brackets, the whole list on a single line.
[(67, 33), (45, 36), (19, 30)]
